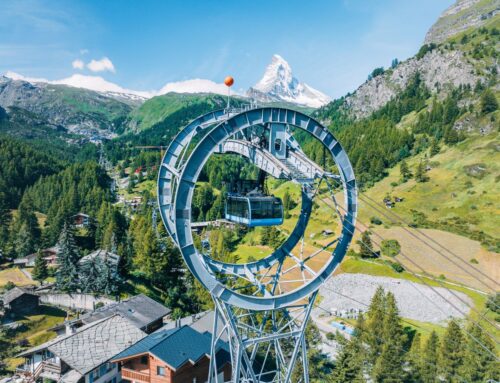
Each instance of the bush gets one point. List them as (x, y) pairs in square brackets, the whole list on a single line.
[(376, 72), (330, 336), (489, 102), (397, 267), (424, 49), (9, 286), (390, 247), (376, 221), (493, 302), (474, 261)]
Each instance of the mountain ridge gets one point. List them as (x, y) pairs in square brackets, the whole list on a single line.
[(279, 84)]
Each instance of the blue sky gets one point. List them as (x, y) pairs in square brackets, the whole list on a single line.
[(330, 44)]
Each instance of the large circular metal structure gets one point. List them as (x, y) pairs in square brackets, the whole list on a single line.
[(222, 132)]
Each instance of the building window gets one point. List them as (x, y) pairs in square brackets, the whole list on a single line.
[(160, 371), (144, 359)]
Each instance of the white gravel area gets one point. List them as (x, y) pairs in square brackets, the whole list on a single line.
[(415, 301)]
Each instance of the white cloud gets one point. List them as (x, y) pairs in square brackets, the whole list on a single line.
[(101, 65), (196, 85), (78, 64)]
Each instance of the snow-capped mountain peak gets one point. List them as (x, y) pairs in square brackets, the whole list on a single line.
[(279, 84)]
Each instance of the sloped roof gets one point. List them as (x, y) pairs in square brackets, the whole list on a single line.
[(13, 294), (103, 254), (71, 376), (140, 310), (94, 344), (173, 346)]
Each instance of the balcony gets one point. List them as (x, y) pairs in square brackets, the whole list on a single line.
[(49, 369), (133, 375)]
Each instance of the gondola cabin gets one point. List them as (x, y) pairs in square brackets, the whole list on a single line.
[(254, 210)]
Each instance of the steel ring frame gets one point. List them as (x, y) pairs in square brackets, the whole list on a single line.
[(195, 261), (167, 183)]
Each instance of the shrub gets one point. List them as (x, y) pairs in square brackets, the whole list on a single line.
[(390, 247), (493, 302), (397, 267), (474, 261), (376, 221), (9, 286)]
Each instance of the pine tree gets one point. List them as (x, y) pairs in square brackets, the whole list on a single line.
[(366, 246), (434, 147), (429, 369), (415, 360), (5, 220), (479, 365), (67, 260), (265, 236), (420, 175), (405, 171), (489, 102), (451, 353), (110, 280), (374, 334), (389, 366), (286, 203), (92, 276), (40, 271), (349, 362)]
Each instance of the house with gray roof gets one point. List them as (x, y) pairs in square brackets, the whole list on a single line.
[(143, 312), (105, 256), (85, 355)]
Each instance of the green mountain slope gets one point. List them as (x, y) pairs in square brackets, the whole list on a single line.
[(451, 130), (156, 109), (78, 110)]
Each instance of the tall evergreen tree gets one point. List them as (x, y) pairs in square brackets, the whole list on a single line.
[(489, 102), (414, 370), (67, 260), (451, 353), (92, 276), (434, 147), (365, 245), (420, 175), (26, 230), (404, 171), (389, 365), (374, 334), (40, 271), (350, 361), (429, 368), (5, 220), (479, 365)]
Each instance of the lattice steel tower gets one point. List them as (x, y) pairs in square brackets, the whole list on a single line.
[(262, 307)]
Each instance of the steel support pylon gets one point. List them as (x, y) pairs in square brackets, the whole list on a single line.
[(264, 346)]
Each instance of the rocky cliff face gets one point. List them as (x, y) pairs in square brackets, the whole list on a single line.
[(438, 69), (460, 16)]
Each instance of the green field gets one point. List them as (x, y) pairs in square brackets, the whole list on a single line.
[(35, 330), (15, 276)]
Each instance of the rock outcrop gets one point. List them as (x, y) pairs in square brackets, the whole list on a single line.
[(461, 16), (438, 68)]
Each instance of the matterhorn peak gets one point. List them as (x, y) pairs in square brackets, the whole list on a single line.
[(279, 84)]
